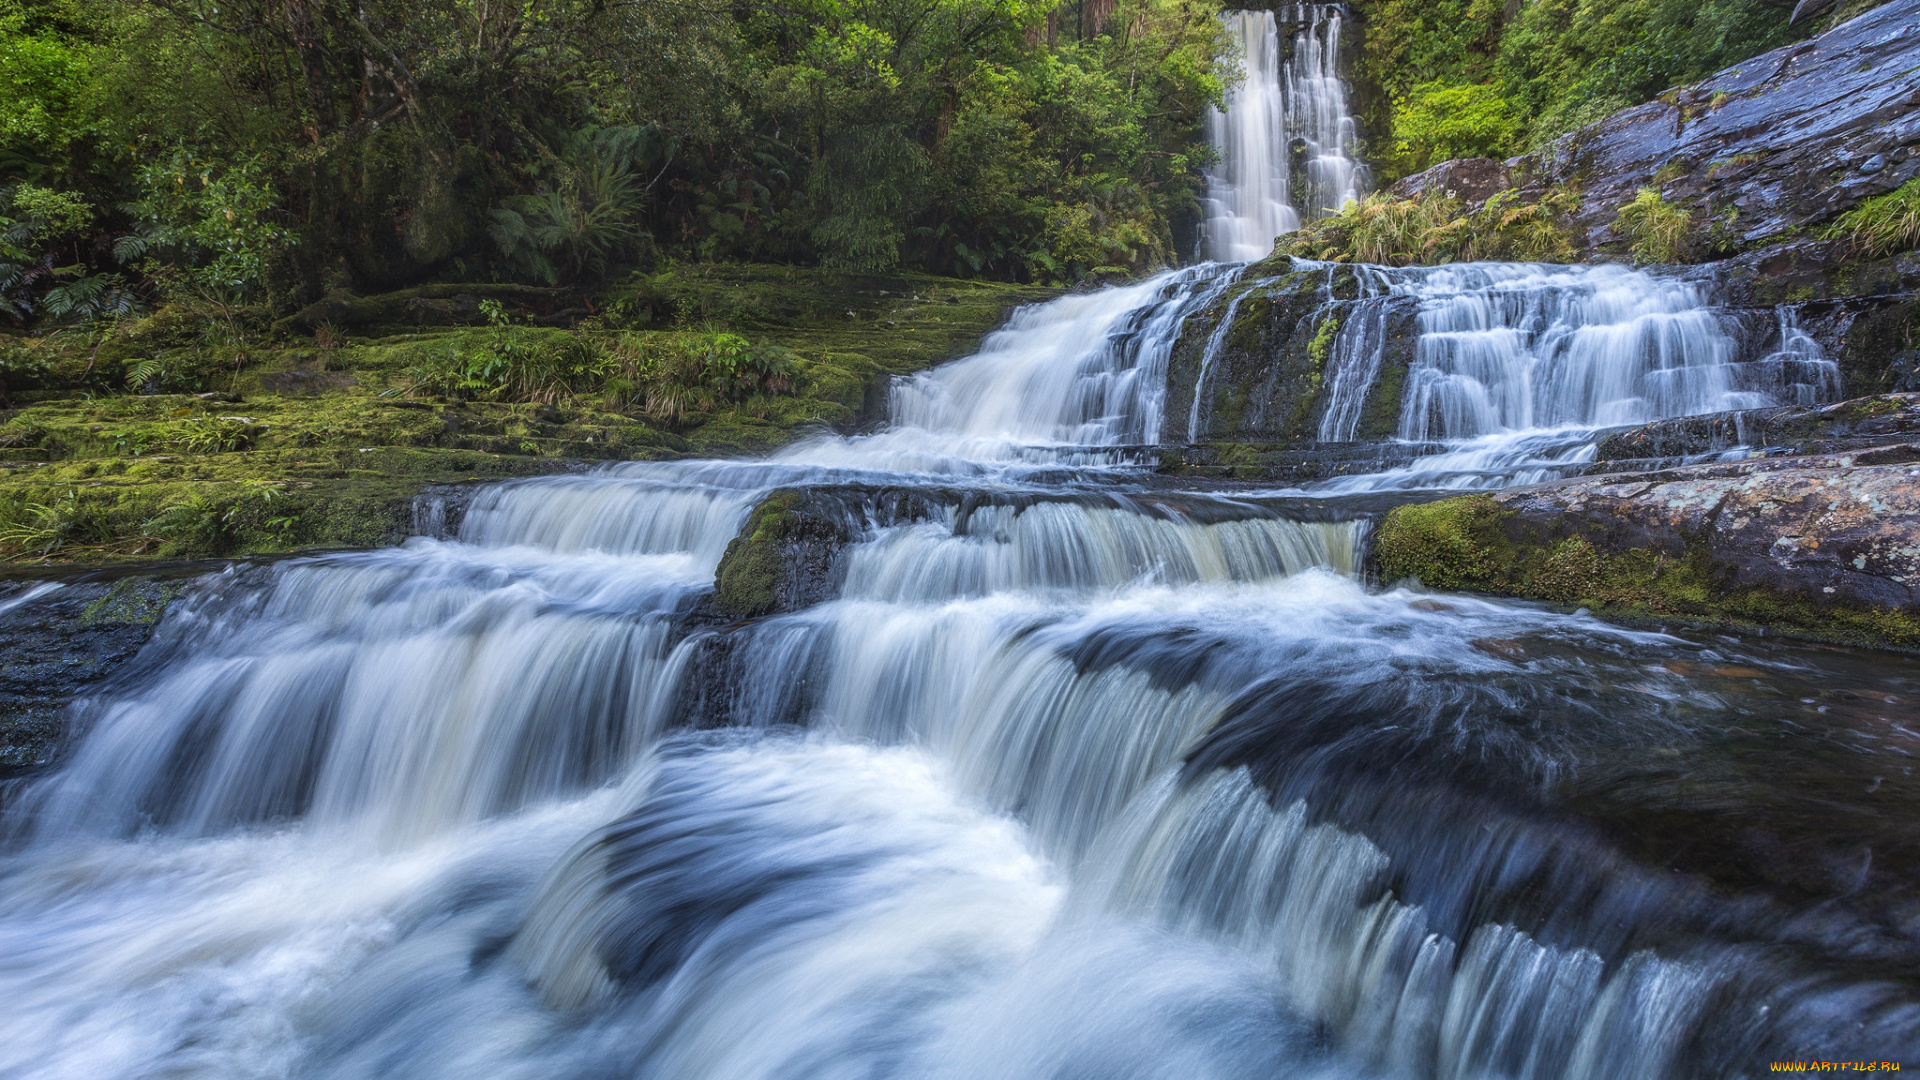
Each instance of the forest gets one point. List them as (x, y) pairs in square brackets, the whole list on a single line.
[(254, 153)]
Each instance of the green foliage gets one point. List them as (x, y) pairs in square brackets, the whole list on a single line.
[(1436, 122), (688, 374), (216, 219), (54, 214), (1430, 229), (43, 83), (592, 214), (1884, 225), (1658, 231), (1487, 77)]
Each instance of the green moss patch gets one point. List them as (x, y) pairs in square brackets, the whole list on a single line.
[(1474, 544), (781, 543)]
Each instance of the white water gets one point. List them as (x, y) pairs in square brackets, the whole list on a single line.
[(1520, 368), (1284, 138), (1096, 779)]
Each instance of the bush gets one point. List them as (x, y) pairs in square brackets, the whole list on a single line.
[(1884, 225), (1659, 231), (1438, 122), (673, 377)]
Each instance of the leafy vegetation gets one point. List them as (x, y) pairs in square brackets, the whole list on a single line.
[(1657, 229), (152, 443), (1884, 225), (1459, 78), (262, 152), (1431, 228)]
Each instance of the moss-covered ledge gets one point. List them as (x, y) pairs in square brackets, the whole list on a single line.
[(1825, 548)]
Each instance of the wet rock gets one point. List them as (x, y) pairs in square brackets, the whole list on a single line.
[(1825, 546), (1290, 463), (788, 555), (1848, 425), (1785, 140), (782, 561), (1268, 376), (1471, 180), (58, 641)]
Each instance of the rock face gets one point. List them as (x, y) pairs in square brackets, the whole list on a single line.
[(58, 641), (1848, 425), (1826, 546), (1270, 373), (1790, 138), (1471, 180)]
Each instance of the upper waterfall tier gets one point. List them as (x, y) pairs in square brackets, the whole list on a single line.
[(1284, 139)]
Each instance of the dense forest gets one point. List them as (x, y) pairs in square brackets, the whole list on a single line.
[(259, 152)]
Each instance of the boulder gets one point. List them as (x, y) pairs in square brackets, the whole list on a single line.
[(1271, 373), (1471, 180), (60, 641)]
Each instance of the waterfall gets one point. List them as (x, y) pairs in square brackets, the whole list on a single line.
[(1517, 368), (1284, 140), (1070, 772)]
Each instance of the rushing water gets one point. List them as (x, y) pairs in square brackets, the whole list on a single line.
[(1517, 369), (1284, 141), (1077, 775)]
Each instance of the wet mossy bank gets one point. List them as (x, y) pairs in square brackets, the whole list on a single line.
[(165, 439), (1824, 547)]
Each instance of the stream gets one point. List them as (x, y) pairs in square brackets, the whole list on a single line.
[(1080, 772)]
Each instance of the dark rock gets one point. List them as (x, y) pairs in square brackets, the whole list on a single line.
[(1267, 377), (58, 642), (1848, 425), (1471, 180), (1781, 138)]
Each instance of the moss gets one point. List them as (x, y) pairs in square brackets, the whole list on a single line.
[(316, 443), (1450, 544), (131, 601), (756, 574), (1474, 544)]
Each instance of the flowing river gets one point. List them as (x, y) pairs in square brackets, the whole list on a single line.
[(1076, 775), (1074, 772)]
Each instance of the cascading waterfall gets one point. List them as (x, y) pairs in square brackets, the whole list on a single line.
[(1072, 774), (1284, 141), (1518, 367)]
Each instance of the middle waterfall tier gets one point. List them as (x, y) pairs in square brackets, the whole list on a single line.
[(1535, 358)]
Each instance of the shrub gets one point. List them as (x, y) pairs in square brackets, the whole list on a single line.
[(1658, 230), (1437, 122), (1884, 225), (674, 377), (217, 219)]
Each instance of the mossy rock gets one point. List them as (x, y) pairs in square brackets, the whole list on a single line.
[(781, 561), (1475, 543)]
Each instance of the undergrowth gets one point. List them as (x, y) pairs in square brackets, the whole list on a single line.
[(1429, 229), (1884, 225)]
